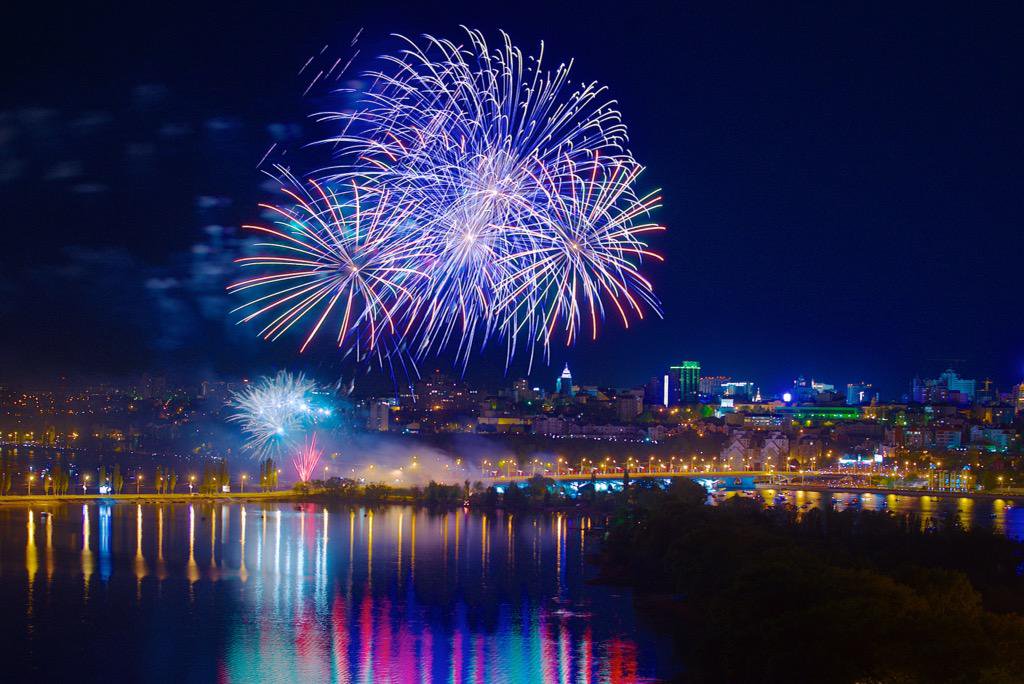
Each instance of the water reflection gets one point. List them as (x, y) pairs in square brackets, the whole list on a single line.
[(1002, 515), (396, 595), (86, 550)]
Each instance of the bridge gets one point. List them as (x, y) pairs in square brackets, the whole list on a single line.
[(568, 475)]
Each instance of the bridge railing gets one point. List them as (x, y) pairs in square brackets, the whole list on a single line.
[(618, 474)]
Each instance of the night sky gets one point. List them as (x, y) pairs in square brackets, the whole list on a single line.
[(843, 181)]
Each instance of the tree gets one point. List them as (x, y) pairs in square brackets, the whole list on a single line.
[(206, 484), (172, 480), (102, 480), (376, 492), (5, 476), (118, 479), (268, 475)]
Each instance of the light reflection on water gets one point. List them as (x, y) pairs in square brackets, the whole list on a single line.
[(1002, 515), (251, 592)]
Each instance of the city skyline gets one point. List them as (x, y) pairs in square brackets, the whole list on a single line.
[(687, 383), (512, 342)]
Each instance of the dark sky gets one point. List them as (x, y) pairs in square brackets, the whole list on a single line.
[(843, 181)]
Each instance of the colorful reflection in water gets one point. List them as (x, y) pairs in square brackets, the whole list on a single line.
[(238, 593), (1002, 515)]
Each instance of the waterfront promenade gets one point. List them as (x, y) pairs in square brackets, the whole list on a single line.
[(178, 497)]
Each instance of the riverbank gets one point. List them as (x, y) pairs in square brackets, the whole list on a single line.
[(233, 497), (750, 593), (981, 496)]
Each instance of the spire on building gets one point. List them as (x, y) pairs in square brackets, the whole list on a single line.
[(563, 384)]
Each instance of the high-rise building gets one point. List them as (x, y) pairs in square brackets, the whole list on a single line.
[(947, 388), (918, 390), (954, 383), (987, 393), (803, 391), (668, 390), (858, 393), (563, 383), (521, 391), (711, 385), (1018, 399), (738, 390), (689, 381), (439, 392), (652, 391), (380, 415)]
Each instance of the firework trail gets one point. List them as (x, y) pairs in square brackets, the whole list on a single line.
[(306, 459), (337, 249), (476, 194), (272, 410)]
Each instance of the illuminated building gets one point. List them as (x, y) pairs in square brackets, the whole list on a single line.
[(918, 391), (1018, 399), (380, 415), (858, 393), (803, 391), (955, 383), (663, 390), (689, 381), (563, 383), (756, 450), (711, 385), (948, 438), (804, 414), (951, 480), (521, 391), (947, 388), (738, 390), (502, 424), (438, 392)]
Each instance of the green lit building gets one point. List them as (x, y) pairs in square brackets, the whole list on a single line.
[(819, 414), (689, 381)]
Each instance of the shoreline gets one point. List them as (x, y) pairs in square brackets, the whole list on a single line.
[(233, 497), (984, 496), (317, 497)]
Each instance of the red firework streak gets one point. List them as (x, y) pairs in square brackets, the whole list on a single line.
[(306, 459)]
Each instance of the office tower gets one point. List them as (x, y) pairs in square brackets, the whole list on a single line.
[(689, 381), (858, 393), (563, 383)]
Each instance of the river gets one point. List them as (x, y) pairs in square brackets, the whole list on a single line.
[(275, 592), (1002, 515)]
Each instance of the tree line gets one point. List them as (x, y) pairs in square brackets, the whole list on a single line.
[(749, 593), (57, 480)]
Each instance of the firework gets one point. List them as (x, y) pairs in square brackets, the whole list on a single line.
[(341, 249), (479, 194), (306, 459), (273, 411)]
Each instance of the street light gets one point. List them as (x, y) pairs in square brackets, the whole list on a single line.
[(85, 484), (191, 482), (31, 479), (242, 482)]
